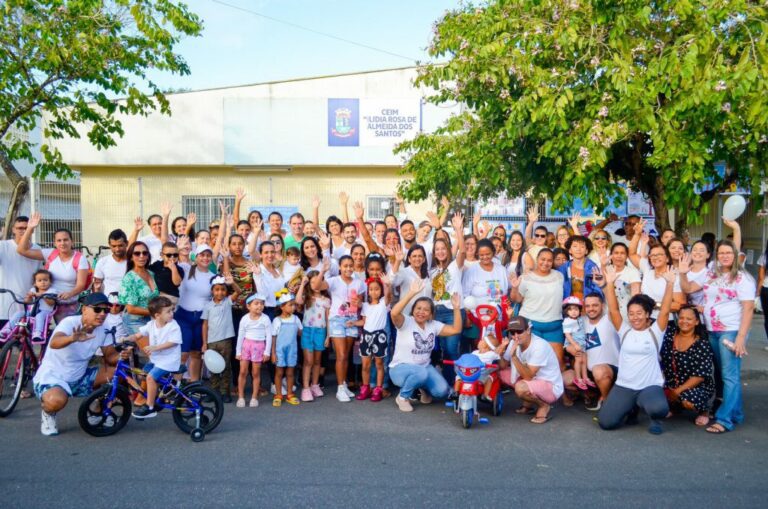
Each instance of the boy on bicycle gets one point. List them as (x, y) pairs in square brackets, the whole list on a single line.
[(163, 349)]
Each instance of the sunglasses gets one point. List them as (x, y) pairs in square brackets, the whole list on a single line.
[(100, 309), (141, 253), (540, 236), (171, 255)]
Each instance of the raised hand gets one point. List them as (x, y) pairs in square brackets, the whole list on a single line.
[(165, 208), (684, 266), (455, 300), (417, 286), (733, 225), (223, 207), (253, 267), (639, 227), (138, 223), (457, 221), (669, 275), (399, 253), (34, 220), (514, 280), (79, 334), (326, 263), (191, 219), (228, 278), (483, 228), (574, 222), (445, 202), (323, 239), (533, 214), (610, 275), (434, 221), (399, 199), (239, 194), (359, 211), (183, 243), (343, 198), (316, 202), (605, 258), (257, 225)]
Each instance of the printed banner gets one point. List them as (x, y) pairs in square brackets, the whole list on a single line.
[(372, 122), (343, 122)]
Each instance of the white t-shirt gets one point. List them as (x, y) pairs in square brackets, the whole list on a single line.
[(116, 321), (540, 355), (267, 285), (67, 365), (488, 286), (699, 278), (722, 300), (170, 358), (44, 306), (375, 316), (15, 274), (542, 296), (194, 293), (445, 283), (401, 282), (64, 274), (289, 270), (333, 270), (488, 357), (278, 322), (623, 285), (654, 287), (602, 343), (414, 345), (344, 297), (111, 272), (259, 329), (154, 245), (639, 365)]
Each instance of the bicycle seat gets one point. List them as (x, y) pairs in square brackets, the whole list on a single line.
[(182, 369)]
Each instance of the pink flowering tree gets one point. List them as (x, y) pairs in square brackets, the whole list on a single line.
[(570, 98)]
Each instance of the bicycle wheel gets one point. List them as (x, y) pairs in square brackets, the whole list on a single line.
[(13, 367), (101, 418), (209, 402)]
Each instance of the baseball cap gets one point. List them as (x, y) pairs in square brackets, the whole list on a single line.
[(517, 324), (94, 299), (202, 248)]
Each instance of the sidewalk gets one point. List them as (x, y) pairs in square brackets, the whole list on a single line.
[(755, 365)]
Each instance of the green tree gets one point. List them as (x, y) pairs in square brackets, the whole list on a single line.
[(570, 98), (70, 59)]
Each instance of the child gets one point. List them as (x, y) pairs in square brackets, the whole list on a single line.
[(164, 349), (489, 351), (218, 330), (286, 328), (314, 338), (254, 344), (292, 271), (114, 319), (42, 281), (374, 341), (576, 337)]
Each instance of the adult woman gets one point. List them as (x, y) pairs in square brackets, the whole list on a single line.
[(578, 273), (561, 236), (486, 281), (729, 302), (499, 232), (268, 278), (238, 265), (500, 250), (137, 287), (541, 293), (410, 368), (357, 252), (519, 260), (652, 269), (676, 250), (68, 267), (179, 227), (445, 275), (666, 236), (334, 227), (470, 246), (628, 280), (414, 267), (698, 262), (277, 240), (275, 220), (312, 257), (601, 244), (194, 293), (639, 382), (687, 361)]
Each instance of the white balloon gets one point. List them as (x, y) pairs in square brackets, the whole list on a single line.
[(470, 303), (214, 361), (734, 207)]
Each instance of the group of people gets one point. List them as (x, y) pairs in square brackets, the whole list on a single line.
[(625, 321)]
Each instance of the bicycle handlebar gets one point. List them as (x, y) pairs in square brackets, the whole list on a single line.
[(35, 300), (451, 363)]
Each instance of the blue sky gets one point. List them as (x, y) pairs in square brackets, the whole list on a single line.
[(238, 48)]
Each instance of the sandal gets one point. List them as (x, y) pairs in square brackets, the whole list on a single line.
[(525, 410), (702, 420), (277, 401), (291, 399), (717, 429), (541, 420)]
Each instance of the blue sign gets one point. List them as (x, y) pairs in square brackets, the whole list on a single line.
[(343, 122)]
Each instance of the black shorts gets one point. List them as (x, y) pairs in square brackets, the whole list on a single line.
[(374, 344)]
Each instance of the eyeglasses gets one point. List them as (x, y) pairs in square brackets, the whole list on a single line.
[(171, 255), (141, 253), (100, 309), (540, 235), (601, 238), (277, 243)]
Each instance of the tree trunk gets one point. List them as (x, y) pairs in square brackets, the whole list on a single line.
[(659, 205), (18, 193)]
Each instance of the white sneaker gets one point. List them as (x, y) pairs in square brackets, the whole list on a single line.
[(272, 389), (349, 393), (48, 424), (254, 403), (240, 403), (342, 395), (403, 404)]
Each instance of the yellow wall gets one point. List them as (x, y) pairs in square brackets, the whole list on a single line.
[(110, 196)]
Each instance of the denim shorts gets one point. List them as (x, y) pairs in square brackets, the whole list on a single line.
[(80, 388), (286, 354), (338, 328), (313, 338), (155, 372)]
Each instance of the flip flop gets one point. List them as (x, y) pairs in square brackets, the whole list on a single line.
[(541, 420), (524, 410), (717, 429), (702, 420), (277, 401)]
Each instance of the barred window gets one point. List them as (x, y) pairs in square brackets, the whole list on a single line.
[(206, 208)]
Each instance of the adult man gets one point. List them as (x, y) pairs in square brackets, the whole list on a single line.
[(64, 372), (15, 270), (534, 370), (625, 236), (602, 348), (110, 270), (296, 224), (154, 240)]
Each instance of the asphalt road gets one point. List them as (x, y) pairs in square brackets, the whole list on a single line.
[(371, 455)]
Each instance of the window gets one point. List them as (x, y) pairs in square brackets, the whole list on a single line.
[(380, 206), (206, 208)]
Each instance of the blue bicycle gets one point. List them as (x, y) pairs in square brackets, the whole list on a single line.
[(196, 409)]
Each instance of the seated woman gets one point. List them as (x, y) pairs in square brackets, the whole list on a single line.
[(688, 363), (416, 335)]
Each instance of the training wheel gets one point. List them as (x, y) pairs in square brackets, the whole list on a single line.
[(197, 435)]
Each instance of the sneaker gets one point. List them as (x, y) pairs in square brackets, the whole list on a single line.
[(306, 395), (37, 338), (342, 395), (403, 404), (272, 389), (377, 396), (240, 403), (254, 403), (596, 406), (316, 391), (350, 394), (365, 393), (144, 412), (48, 424), (426, 397), (655, 428), (97, 419)]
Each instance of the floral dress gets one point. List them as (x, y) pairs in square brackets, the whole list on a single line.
[(697, 361), (244, 279), (134, 291)]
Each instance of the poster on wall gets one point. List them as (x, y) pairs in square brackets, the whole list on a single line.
[(372, 122), (266, 210), (638, 204), (502, 206)]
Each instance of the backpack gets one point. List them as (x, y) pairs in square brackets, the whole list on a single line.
[(75, 262)]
